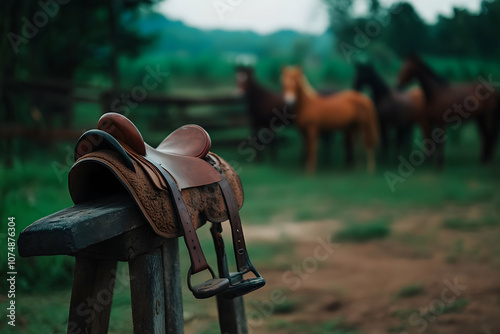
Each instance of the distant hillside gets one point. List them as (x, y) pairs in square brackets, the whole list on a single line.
[(175, 36)]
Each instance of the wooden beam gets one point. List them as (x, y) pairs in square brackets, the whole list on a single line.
[(10, 131), (73, 229), (181, 100)]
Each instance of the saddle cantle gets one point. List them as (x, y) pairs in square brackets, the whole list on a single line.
[(177, 187)]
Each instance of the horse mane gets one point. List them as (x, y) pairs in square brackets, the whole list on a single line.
[(379, 80), (307, 87), (378, 85), (254, 86)]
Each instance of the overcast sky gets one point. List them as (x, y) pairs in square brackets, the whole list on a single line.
[(265, 16)]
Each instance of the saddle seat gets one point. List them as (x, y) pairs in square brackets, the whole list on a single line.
[(114, 158), (181, 154)]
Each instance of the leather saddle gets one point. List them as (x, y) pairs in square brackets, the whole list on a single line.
[(177, 186)]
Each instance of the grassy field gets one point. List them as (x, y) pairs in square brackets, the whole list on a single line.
[(350, 205)]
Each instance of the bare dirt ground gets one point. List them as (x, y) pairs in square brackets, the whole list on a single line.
[(423, 278)]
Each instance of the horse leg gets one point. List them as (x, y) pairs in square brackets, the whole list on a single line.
[(384, 141), (326, 138), (349, 147), (259, 155), (440, 148), (404, 135), (303, 152), (311, 134), (495, 131), (273, 149), (426, 133), (485, 138), (370, 160)]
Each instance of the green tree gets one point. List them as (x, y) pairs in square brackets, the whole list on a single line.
[(407, 33), (54, 40)]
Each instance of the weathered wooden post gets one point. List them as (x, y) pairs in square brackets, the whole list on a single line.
[(99, 234)]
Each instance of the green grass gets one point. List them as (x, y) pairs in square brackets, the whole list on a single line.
[(397, 329), (29, 192), (403, 314), (335, 188), (455, 251), (456, 307), (335, 326), (286, 307), (411, 290), (363, 232)]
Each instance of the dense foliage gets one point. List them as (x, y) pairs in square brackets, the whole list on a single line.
[(55, 38), (400, 28)]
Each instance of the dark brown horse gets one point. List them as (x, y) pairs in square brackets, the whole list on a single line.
[(263, 107), (396, 110), (452, 104)]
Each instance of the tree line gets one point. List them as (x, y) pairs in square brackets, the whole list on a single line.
[(401, 29)]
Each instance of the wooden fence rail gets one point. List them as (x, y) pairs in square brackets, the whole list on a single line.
[(54, 98), (100, 233)]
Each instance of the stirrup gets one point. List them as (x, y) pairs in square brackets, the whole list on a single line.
[(239, 286), (209, 288)]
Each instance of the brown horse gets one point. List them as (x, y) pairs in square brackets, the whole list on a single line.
[(263, 107), (347, 110), (451, 104)]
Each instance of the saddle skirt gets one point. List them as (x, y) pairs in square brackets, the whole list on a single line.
[(105, 172)]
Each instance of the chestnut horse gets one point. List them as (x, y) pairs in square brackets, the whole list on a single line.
[(347, 110), (264, 105), (396, 110), (451, 104)]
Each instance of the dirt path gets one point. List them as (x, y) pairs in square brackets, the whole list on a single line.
[(421, 279), (360, 283)]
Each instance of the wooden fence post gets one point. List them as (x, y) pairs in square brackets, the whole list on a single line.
[(92, 294), (124, 235), (148, 293), (174, 314)]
